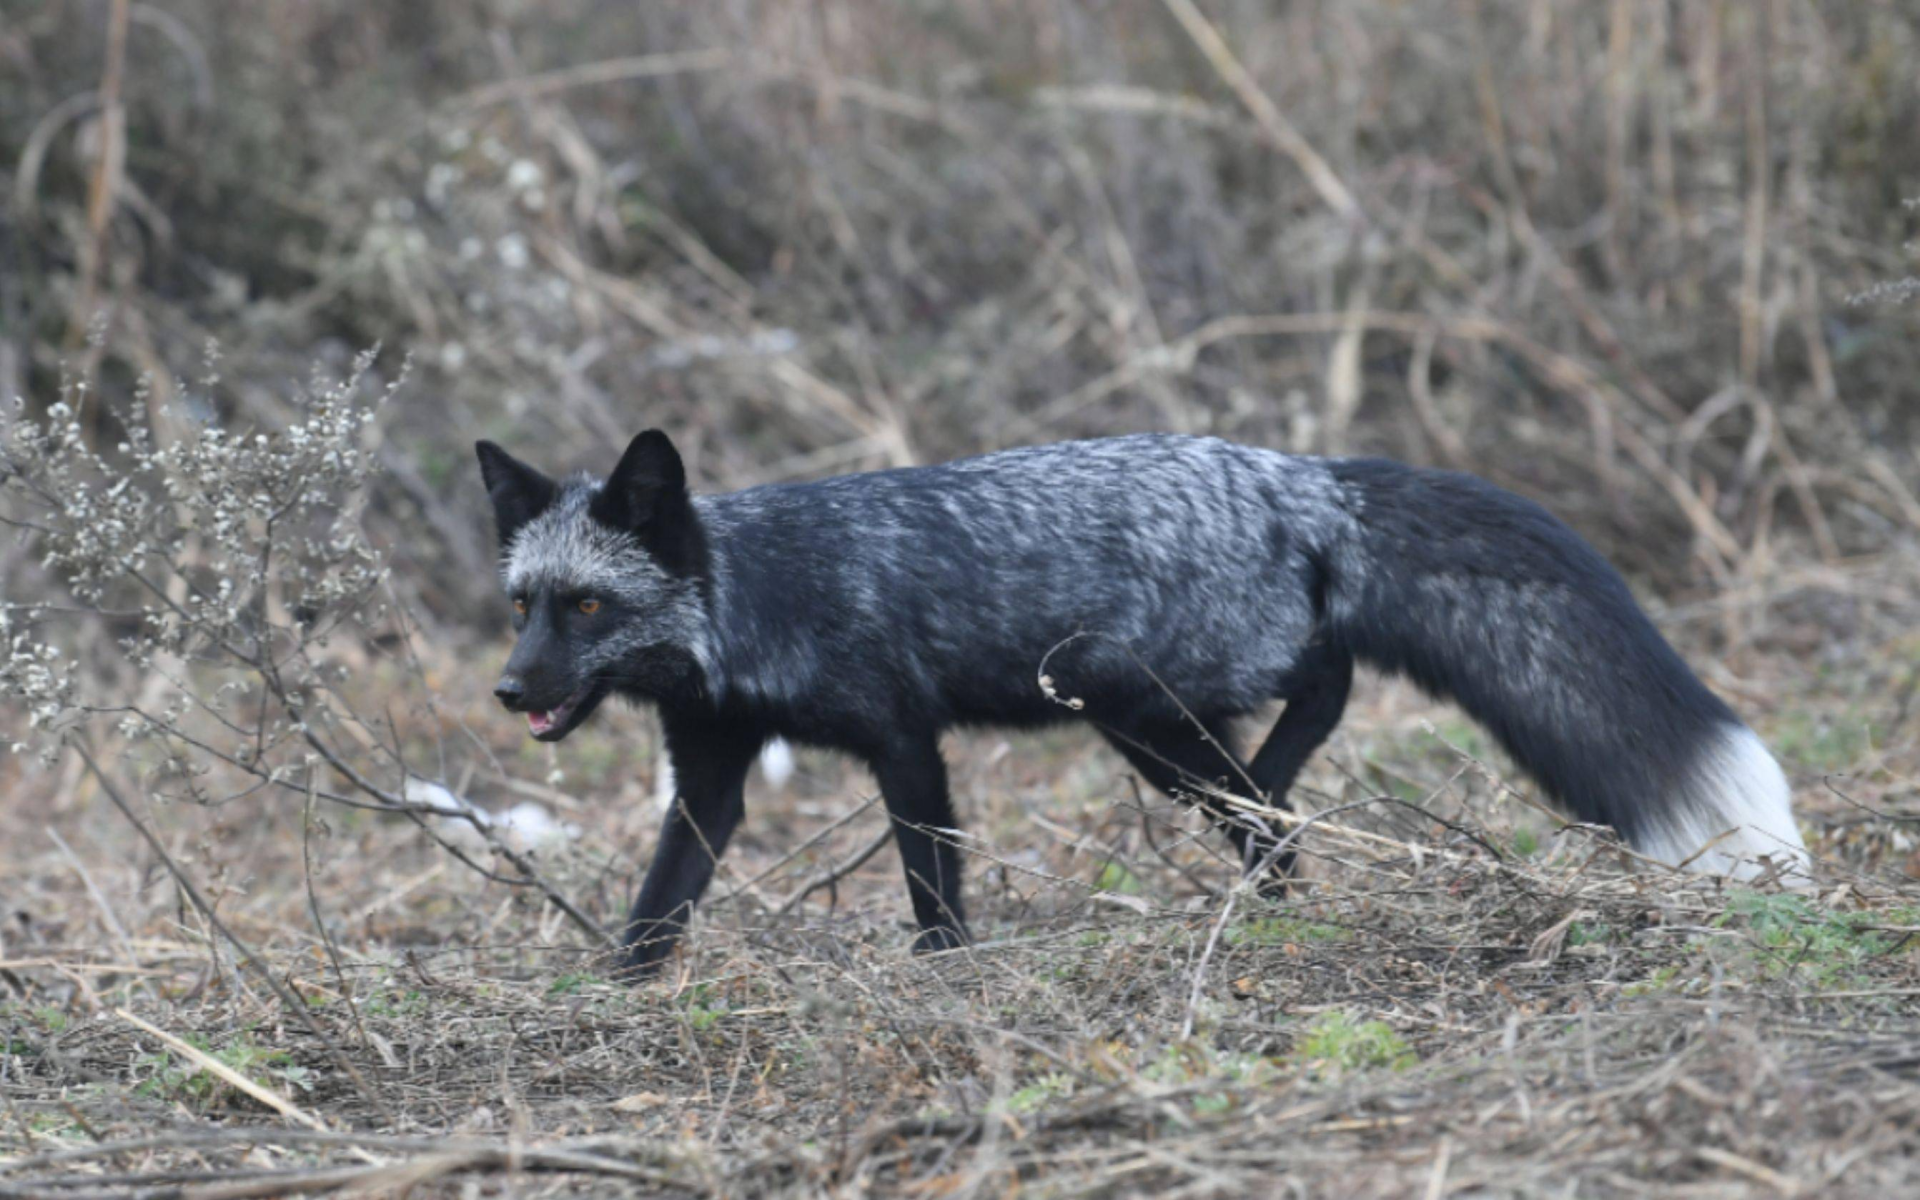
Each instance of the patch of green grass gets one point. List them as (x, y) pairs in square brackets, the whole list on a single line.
[(1825, 743), (570, 982), (595, 761), (172, 1078), (1116, 878), (439, 466), (1526, 843), (1580, 933), (1191, 1062), (1416, 745), (1792, 937), (1401, 787), (1040, 1093), (1336, 1043), (1212, 1104), (1458, 731), (49, 1018), (703, 1006)]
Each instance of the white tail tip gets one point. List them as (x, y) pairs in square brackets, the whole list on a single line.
[(1735, 811)]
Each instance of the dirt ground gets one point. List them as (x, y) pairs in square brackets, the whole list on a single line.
[(1650, 262), (1466, 997)]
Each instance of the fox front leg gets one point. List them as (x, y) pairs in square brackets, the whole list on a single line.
[(710, 768)]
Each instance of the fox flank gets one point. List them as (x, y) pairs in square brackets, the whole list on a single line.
[(1172, 585)]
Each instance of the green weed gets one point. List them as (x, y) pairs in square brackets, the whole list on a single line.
[(1116, 878), (1337, 1043), (1822, 743), (173, 1078), (704, 1007), (1791, 937), (1040, 1093), (1580, 933)]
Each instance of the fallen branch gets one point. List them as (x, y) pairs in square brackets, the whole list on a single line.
[(453, 1158), (213, 1066)]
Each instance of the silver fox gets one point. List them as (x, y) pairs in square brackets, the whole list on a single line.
[(1172, 585)]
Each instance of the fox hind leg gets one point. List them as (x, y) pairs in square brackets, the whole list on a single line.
[(1316, 693), (1184, 762)]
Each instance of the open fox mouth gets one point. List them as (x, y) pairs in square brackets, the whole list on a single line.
[(555, 723)]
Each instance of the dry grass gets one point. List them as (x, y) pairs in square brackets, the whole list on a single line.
[(1600, 253), (1466, 998)]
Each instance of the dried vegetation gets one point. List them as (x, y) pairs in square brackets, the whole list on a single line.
[(1643, 260)]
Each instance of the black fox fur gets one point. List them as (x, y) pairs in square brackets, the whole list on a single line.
[(1170, 585)]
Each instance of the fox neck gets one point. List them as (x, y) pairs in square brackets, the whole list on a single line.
[(759, 649)]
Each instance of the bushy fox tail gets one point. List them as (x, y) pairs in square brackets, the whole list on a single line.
[(1483, 597)]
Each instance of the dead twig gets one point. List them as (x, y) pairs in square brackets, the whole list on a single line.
[(834, 874), (104, 187), (1285, 137), (294, 1007)]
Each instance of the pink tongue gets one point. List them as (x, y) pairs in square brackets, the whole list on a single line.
[(539, 722)]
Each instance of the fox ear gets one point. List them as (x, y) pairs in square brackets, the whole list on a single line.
[(519, 493), (647, 486)]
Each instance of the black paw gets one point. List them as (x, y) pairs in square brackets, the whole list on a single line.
[(1274, 887)]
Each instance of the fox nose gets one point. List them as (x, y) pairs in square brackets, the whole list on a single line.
[(510, 690)]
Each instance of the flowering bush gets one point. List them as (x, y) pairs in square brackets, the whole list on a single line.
[(232, 570), (224, 559)]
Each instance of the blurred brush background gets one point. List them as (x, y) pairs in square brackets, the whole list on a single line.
[(1600, 252)]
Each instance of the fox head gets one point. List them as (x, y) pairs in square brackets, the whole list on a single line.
[(605, 578)]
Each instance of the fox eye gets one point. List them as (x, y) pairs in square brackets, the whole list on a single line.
[(589, 606), (520, 605)]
